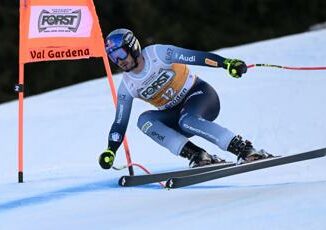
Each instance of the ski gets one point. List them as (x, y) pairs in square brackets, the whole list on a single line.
[(127, 181), (177, 182)]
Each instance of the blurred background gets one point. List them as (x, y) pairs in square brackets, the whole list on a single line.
[(194, 24)]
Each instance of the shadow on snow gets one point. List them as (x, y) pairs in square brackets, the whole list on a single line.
[(59, 194)]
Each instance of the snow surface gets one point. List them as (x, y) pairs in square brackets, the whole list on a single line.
[(282, 111)]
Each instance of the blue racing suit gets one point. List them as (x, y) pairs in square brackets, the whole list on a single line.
[(186, 104)]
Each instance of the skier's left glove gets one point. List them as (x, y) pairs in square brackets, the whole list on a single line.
[(106, 159), (235, 67)]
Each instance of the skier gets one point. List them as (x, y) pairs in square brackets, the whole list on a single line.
[(186, 104)]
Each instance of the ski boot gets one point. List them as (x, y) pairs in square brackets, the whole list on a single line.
[(245, 151), (198, 157)]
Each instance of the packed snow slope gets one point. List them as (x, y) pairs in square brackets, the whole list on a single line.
[(281, 111)]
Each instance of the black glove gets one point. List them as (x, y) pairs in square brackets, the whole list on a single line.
[(106, 159), (235, 67)]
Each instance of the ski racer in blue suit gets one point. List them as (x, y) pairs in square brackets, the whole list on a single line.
[(186, 104)]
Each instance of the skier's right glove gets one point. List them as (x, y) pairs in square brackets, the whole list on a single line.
[(106, 159)]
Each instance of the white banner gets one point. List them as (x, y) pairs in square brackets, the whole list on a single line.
[(60, 21)]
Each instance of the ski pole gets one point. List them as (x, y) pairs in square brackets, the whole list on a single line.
[(287, 67)]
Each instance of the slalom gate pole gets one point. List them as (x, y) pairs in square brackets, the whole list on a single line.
[(287, 67), (19, 88)]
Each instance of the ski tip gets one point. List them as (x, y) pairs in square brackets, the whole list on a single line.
[(122, 181), (169, 184)]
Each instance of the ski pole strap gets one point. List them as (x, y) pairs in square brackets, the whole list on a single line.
[(287, 67)]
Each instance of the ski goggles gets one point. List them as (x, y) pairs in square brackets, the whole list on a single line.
[(118, 54)]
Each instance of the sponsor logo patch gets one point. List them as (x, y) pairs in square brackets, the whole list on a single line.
[(59, 20), (187, 58), (169, 53), (211, 62), (146, 126), (157, 136), (155, 86), (116, 137)]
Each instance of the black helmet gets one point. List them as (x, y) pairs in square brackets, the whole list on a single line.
[(121, 42)]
